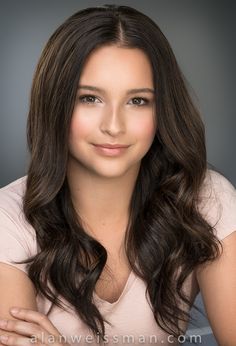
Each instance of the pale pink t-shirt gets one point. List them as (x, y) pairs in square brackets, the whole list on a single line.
[(130, 315)]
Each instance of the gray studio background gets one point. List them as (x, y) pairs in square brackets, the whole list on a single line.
[(201, 34)]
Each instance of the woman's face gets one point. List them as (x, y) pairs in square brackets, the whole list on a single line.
[(110, 109)]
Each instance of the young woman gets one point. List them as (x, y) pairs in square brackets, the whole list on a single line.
[(120, 221)]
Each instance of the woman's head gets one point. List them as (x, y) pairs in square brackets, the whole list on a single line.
[(115, 104), (61, 66)]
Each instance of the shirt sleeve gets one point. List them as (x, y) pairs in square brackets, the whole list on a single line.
[(218, 204), (14, 244)]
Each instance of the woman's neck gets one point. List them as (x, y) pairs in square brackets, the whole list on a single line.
[(102, 202)]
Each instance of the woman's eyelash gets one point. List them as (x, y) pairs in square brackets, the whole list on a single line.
[(142, 99), (84, 98), (91, 99)]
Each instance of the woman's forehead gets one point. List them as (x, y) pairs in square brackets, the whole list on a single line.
[(107, 64)]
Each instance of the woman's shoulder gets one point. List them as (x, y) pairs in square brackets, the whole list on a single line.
[(217, 203), (11, 202), (13, 192), (217, 180), (11, 195), (15, 231)]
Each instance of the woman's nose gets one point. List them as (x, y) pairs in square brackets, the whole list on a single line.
[(113, 122)]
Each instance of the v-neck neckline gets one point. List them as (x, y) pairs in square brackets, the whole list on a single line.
[(126, 288)]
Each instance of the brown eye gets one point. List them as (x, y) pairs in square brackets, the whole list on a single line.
[(139, 101), (88, 99)]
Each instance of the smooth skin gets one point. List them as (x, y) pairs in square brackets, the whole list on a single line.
[(110, 110), (21, 329), (35, 328), (113, 114)]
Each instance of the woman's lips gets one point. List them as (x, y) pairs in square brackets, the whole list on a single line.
[(110, 150)]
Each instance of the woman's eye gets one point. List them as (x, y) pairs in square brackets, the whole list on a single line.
[(88, 99), (139, 101), (91, 99)]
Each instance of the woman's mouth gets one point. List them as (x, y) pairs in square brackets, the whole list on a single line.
[(110, 149)]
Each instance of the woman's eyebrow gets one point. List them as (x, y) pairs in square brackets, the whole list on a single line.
[(130, 91)]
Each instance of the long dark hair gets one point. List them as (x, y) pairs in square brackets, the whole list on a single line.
[(165, 232)]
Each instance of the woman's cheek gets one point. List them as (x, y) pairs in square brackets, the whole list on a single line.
[(80, 126), (144, 129)]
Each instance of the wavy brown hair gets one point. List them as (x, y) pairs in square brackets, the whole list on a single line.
[(165, 232)]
